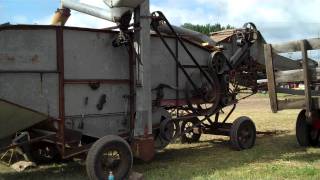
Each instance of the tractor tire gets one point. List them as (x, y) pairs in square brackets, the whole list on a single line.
[(243, 133), (99, 163), (304, 131)]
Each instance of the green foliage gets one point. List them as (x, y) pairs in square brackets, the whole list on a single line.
[(206, 29)]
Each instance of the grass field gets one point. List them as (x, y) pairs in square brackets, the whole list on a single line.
[(275, 156)]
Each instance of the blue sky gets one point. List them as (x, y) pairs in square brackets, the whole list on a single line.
[(278, 20)]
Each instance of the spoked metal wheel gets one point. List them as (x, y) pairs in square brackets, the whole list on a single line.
[(306, 134), (109, 154), (188, 128), (243, 133)]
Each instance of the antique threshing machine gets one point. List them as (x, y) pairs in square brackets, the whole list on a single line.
[(117, 94)]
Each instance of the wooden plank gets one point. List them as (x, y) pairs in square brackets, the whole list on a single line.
[(294, 46), (271, 77), (296, 92), (296, 75), (306, 77)]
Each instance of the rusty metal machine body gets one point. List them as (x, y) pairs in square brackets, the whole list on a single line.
[(67, 91)]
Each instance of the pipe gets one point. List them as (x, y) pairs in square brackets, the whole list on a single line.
[(61, 17), (110, 14), (199, 37), (123, 3)]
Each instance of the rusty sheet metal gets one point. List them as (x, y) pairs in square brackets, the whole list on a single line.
[(224, 35)]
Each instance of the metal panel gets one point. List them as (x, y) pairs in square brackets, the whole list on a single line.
[(82, 100), (99, 126), (34, 91), (164, 66), (14, 118), (28, 50), (90, 55)]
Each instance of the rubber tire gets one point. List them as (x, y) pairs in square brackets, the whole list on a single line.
[(235, 143), (93, 168), (195, 137), (303, 129)]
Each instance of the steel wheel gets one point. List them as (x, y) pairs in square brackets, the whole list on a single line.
[(189, 135), (109, 154), (243, 133), (305, 133)]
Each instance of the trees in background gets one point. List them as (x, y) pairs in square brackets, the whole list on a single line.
[(206, 29)]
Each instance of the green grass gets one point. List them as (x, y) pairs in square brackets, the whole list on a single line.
[(275, 156)]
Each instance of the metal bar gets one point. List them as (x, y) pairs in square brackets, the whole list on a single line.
[(60, 61), (177, 61), (185, 48), (34, 140), (177, 77), (132, 68), (193, 66), (103, 81), (227, 117), (28, 72), (271, 77), (77, 151), (306, 77)]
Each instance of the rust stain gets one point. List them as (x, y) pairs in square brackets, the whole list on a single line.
[(35, 59), (6, 57)]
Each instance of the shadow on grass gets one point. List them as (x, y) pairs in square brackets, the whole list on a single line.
[(212, 155), (72, 171), (187, 161)]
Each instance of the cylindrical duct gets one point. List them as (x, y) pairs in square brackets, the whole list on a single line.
[(123, 3), (110, 14), (196, 36), (61, 17)]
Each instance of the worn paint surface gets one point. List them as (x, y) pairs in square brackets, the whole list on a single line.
[(14, 118), (88, 55)]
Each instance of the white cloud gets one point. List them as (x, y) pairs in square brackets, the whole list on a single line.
[(83, 20), (78, 19), (278, 20)]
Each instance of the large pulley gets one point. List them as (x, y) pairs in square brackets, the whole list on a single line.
[(205, 99)]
